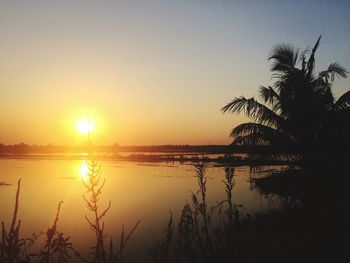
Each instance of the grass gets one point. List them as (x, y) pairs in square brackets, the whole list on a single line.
[(302, 230), (94, 188), (11, 244), (202, 231), (56, 247)]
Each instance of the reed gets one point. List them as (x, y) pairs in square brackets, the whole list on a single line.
[(124, 238), (14, 249), (11, 244), (199, 238), (57, 247), (161, 250), (94, 187), (200, 170)]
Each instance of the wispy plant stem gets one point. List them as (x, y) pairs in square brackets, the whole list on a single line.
[(202, 181), (11, 245)]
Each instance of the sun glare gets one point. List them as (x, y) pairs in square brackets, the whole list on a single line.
[(85, 125), (83, 170)]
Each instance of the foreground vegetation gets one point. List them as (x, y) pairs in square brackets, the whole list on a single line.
[(56, 246), (305, 228)]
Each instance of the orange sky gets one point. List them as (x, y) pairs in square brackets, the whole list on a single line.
[(150, 72)]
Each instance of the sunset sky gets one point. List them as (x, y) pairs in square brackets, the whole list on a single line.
[(149, 72)]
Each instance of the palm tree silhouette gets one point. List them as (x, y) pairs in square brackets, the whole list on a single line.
[(298, 113)]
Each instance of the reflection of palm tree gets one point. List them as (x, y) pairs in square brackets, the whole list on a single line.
[(300, 104)]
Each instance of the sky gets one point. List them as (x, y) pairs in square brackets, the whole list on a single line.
[(149, 72)]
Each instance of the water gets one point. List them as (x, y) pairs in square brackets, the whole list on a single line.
[(137, 191)]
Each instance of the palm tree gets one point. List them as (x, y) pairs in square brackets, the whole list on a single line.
[(296, 110)]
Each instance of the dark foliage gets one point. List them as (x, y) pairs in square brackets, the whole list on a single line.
[(301, 118)]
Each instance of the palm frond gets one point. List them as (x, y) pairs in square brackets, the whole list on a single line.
[(284, 57), (261, 154), (334, 70), (311, 61), (302, 58), (255, 110), (328, 98), (267, 152), (252, 139), (261, 147), (343, 102), (265, 133), (251, 127), (269, 95)]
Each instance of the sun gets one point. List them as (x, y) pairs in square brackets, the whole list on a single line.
[(85, 125)]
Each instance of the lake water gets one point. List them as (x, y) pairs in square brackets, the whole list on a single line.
[(136, 190)]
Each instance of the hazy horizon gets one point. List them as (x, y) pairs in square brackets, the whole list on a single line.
[(116, 144), (149, 72)]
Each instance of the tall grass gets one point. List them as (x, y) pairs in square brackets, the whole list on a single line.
[(160, 251), (196, 237), (11, 244), (200, 170), (94, 187), (13, 248), (57, 247)]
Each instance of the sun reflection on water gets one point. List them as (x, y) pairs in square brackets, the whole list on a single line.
[(83, 170)]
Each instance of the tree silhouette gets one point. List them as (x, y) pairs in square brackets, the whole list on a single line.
[(299, 115)]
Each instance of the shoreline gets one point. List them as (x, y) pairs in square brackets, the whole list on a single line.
[(154, 158)]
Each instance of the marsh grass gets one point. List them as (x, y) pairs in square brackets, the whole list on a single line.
[(160, 251), (11, 244), (291, 233), (57, 247), (124, 238), (197, 237), (94, 188)]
